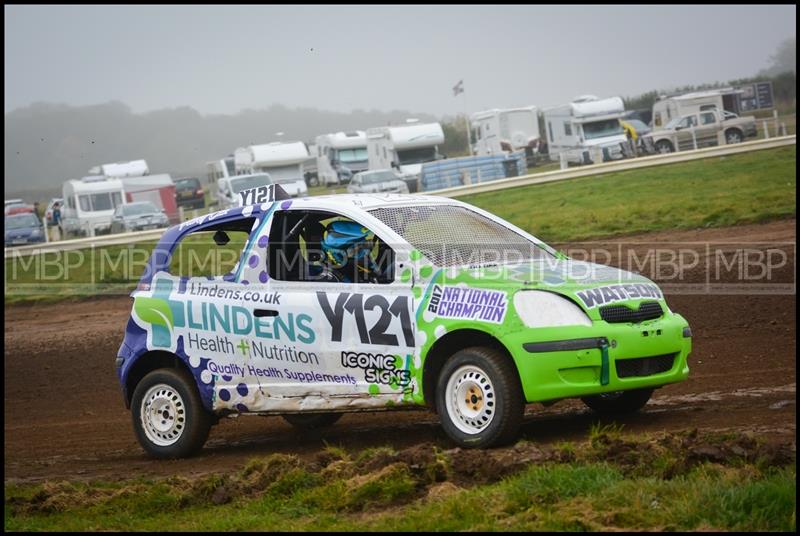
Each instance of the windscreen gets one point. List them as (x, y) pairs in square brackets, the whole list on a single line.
[(20, 222), (451, 235), (352, 155), (137, 209), (602, 129)]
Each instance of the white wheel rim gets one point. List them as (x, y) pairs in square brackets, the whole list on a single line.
[(163, 415), (470, 399)]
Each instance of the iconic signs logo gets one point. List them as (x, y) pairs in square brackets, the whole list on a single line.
[(469, 303), (378, 368)]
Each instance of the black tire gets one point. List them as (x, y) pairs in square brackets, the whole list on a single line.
[(311, 421), (664, 146), (733, 136), (192, 435), (619, 403), (499, 403)]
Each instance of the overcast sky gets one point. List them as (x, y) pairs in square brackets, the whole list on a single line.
[(222, 59)]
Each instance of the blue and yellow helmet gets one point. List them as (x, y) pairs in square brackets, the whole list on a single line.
[(347, 240)]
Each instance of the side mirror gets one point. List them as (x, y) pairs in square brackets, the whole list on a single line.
[(221, 238)]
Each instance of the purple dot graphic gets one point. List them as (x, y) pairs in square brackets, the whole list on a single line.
[(253, 261), (245, 282), (263, 277), (241, 389), (224, 394), (228, 277), (286, 204), (227, 378), (241, 407), (262, 242)]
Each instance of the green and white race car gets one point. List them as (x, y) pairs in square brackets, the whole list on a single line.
[(379, 302)]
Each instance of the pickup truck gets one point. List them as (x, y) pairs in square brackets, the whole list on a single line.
[(707, 126)]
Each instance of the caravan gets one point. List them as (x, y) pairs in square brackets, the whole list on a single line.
[(283, 162), (340, 156), (505, 131), (89, 205), (588, 129), (404, 148)]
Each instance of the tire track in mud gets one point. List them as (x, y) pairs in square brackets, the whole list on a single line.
[(65, 418)]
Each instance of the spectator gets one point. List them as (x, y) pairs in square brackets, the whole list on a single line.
[(56, 222)]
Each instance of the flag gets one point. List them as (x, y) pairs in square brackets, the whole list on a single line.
[(458, 88)]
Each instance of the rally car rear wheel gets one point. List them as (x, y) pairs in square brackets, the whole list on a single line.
[(620, 402), (479, 399), (311, 421), (168, 415)]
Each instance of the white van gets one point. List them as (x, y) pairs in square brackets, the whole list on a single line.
[(340, 156), (89, 205), (228, 188), (505, 131)]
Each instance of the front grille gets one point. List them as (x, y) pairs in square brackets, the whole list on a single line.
[(615, 314), (644, 366)]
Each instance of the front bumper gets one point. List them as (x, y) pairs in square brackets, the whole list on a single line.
[(583, 361)]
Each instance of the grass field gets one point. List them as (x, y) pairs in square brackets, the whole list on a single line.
[(750, 187), (679, 481), (714, 192)]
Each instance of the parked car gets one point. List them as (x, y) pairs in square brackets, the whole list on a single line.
[(19, 208), (387, 302), (23, 228), (377, 181), (137, 217), (48, 213), (189, 193), (704, 128)]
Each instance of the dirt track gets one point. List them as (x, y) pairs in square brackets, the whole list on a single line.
[(65, 418)]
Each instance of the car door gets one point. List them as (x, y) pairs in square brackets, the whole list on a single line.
[(684, 132), (320, 344), (707, 129)]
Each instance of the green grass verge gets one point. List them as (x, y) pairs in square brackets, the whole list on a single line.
[(666, 482), (714, 192), (745, 188)]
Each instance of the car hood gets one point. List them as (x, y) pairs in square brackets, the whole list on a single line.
[(589, 285)]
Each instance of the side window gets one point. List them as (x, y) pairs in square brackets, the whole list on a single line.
[(567, 128), (657, 120), (318, 246), (84, 202), (198, 254), (707, 119), (550, 130), (705, 107)]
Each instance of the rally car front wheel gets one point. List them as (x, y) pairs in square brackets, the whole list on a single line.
[(168, 415), (620, 402), (479, 398)]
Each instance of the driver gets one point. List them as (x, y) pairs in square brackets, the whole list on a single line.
[(348, 252)]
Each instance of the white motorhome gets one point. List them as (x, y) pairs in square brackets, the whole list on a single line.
[(722, 100), (586, 129), (89, 204), (340, 156), (404, 148), (505, 131), (282, 161), (119, 170)]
